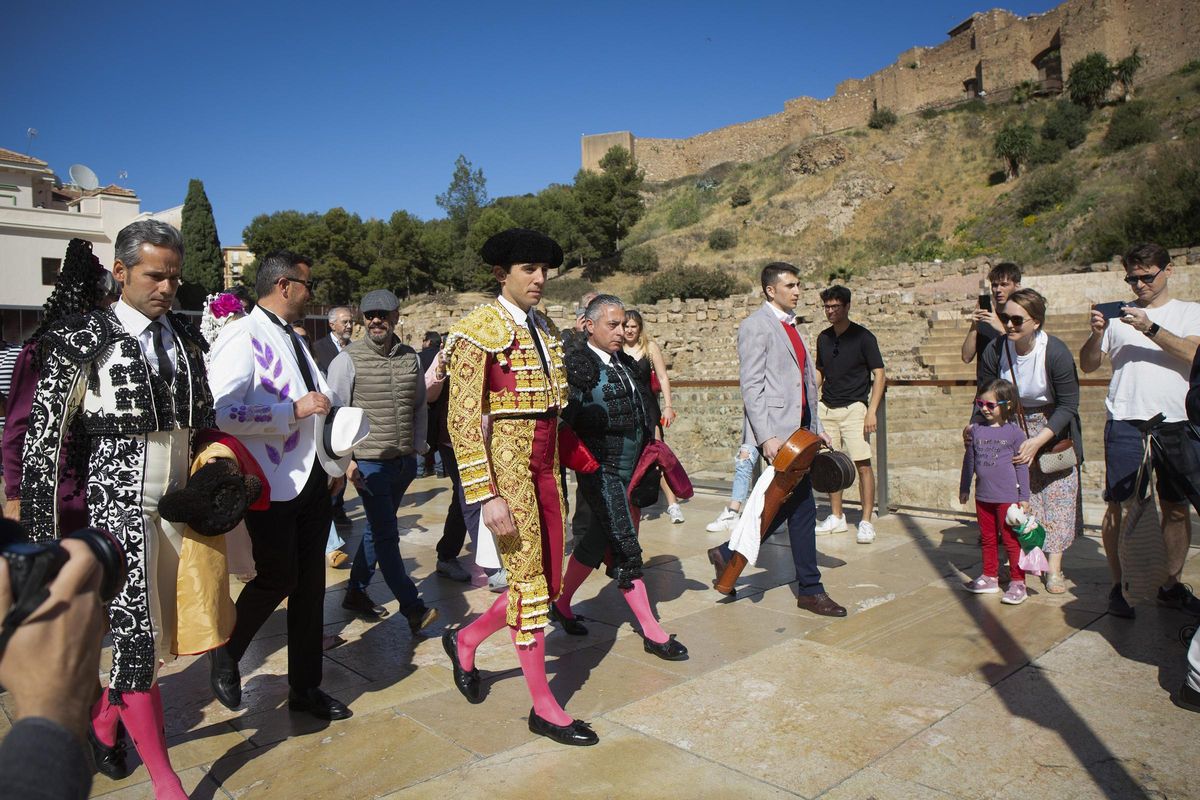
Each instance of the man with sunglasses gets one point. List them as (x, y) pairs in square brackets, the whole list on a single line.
[(1151, 347), (270, 394), (383, 376)]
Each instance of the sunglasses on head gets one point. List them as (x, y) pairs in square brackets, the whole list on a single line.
[(990, 406), (1132, 280), (1016, 319)]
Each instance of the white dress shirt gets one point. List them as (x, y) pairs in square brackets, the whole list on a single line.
[(137, 325)]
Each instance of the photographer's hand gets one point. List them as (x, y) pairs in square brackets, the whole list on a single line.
[(51, 661)]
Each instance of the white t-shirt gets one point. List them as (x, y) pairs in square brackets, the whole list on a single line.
[(1146, 381), (1033, 381)]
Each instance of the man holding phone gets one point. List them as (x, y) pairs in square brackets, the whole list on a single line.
[(1151, 346), (1004, 278)]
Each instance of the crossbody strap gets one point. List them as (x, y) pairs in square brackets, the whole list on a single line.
[(1012, 371)]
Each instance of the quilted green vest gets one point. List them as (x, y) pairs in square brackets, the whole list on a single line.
[(385, 387)]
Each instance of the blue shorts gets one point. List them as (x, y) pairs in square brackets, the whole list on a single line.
[(1175, 455)]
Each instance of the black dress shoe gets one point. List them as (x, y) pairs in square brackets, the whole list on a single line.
[(719, 562), (468, 683), (110, 761), (578, 733), (571, 625), (670, 650), (361, 603), (821, 604), (317, 703), (224, 678)]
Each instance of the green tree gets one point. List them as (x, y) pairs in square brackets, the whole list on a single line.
[(1124, 71), (283, 230), (1013, 144), (465, 198), (1090, 80), (1024, 91), (610, 201), (203, 266)]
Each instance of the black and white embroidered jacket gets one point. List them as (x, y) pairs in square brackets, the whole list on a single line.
[(96, 383)]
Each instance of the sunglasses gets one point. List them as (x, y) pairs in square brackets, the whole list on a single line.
[(375, 314), (1132, 280), (988, 406), (311, 285), (1016, 319)]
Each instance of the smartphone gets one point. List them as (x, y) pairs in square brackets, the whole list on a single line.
[(985, 302), (1110, 310)]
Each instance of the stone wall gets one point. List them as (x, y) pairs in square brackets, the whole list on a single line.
[(995, 49)]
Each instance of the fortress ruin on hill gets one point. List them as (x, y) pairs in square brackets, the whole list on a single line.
[(986, 56)]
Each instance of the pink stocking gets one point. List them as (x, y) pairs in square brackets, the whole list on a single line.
[(105, 717), (474, 634), (143, 718), (639, 603), (533, 665), (577, 573)]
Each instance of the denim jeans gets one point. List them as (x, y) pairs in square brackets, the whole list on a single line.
[(743, 474), (386, 482)]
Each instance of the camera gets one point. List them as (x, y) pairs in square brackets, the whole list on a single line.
[(41, 561)]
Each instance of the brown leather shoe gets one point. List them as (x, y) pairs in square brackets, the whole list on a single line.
[(718, 560), (821, 604)]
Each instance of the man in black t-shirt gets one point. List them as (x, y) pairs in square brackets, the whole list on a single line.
[(852, 381), (1005, 278)]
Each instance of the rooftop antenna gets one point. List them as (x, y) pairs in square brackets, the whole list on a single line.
[(30, 134), (122, 175), (83, 177)]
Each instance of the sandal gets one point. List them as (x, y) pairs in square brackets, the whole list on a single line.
[(1056, 583)]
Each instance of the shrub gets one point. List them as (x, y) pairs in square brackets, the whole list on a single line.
[(1014, 143), (1047, 151), (567, 289), (882, 118), (686, 282), (740, 197), (1067, 123), (684, 210), (1190, 68), (1090, 80), (1024, 91), (1131, 124), (930, 113), (1045, 189), (639, 260), (722, 239)]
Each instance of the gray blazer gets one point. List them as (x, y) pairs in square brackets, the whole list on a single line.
[(768, 373)]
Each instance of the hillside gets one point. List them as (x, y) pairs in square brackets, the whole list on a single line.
[(931, 187)]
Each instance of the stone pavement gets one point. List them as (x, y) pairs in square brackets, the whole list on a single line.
[(924, 691)]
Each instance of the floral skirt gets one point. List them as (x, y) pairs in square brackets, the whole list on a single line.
[(1054, 499)]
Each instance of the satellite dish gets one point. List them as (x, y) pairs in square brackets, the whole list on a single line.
[(83, 177)]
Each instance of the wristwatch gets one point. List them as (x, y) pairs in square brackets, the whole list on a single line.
[(1153, 330)]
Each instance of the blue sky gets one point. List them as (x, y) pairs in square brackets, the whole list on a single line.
[(287, 105)]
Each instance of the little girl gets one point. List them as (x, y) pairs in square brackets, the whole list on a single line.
[(999, 483)]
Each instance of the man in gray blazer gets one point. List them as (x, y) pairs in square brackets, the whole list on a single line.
[(779, 392)]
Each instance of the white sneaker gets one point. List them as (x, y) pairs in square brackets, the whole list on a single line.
[(725, 521), (498, 581), (675, 514), (866, 532), (831, 524)]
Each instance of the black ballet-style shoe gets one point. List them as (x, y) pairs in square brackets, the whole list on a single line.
[(468, 683), (578, 733), (571, 625), (670, 650), (110, 761)]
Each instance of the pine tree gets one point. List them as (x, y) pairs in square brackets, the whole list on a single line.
[(203, 266)]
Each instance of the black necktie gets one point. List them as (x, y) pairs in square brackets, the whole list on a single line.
[(301, 360), (627, 381), (166, 370), (537, 342)]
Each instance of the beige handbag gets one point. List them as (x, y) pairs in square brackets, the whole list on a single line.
[(1140, 546)]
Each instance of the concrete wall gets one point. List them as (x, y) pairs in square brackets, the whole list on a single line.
[(996, 46)]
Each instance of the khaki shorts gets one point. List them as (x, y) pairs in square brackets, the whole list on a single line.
[(845, 428)]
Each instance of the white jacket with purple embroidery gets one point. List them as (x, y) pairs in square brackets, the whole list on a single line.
[(255, 378)]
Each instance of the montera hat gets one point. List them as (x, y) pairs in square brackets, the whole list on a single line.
[(338, 432), (520, 246), (379, 300)]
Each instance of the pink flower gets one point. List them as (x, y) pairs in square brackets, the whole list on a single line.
[(225, 304)]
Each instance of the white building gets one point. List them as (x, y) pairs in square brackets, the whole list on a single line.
[(38, 216)]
